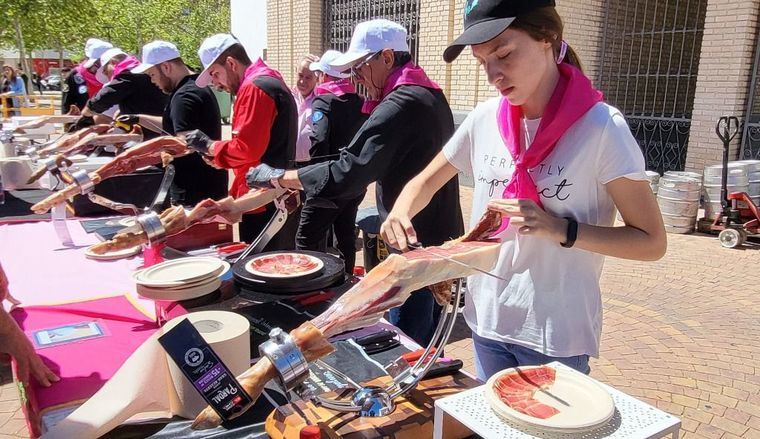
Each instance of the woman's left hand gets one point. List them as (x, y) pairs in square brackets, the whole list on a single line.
[(530, 219)]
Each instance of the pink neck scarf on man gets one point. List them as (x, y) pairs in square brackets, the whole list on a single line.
[(93, 85), (260, 68), (129, 63), (338, 87), (573, 97), (408, 74)]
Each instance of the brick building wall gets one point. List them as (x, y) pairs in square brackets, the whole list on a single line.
[(725, 68), (295, 28)]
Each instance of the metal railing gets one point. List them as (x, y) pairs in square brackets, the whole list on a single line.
[(341, 16), (648, 69)]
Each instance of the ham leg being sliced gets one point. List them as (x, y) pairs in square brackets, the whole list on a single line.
[(387, 285), (152, 152), (177, 219), (73, 115), (70, 139)]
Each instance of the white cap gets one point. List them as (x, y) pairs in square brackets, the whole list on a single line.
[(93, 48), (109, 54), (155, 53), (323, 65), (209, 51), (372, 37)]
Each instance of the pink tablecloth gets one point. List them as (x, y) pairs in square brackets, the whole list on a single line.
[(41, 271)]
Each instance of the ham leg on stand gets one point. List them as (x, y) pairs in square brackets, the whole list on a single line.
[(88, 142), (72, 116), (70, 139), (176, 219), (389, 284), (152, 152)]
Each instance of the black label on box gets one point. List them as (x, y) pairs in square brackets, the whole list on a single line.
[(200, 364)]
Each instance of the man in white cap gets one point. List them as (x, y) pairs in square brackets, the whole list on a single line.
[(132, 93), (263, 126), (190, 108), (410, 121), (82, 84), (336, 117)]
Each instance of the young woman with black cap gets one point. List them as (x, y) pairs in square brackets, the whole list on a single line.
[(556, 161)]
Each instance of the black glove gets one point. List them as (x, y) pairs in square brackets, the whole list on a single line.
[(83, 122), (263, 176), (198, 141), (126, 122)]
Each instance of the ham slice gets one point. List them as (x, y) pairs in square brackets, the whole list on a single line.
[(152, 152), (387, 285), (517, 390)]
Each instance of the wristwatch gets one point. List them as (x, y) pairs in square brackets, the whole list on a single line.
[(572, 233)]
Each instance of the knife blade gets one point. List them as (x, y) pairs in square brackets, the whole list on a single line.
[(419, 247)]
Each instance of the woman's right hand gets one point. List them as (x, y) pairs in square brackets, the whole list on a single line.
[(398, 231)]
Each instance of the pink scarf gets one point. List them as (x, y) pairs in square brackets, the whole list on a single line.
[(572, 98), (126, 65), (259, 68), (338, 87), (93, 85), (408, 74)]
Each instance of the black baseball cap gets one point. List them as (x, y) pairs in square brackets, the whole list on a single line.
[(485, 20)]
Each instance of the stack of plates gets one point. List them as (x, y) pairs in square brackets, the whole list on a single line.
[(181, 279)]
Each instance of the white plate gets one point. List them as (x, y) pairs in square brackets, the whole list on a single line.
[(112, 256), (588, 405), (249, 266), (179, 272), (226, 266), (179, 294)]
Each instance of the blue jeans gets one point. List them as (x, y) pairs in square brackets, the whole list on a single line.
[(417, 317), (492, 356)]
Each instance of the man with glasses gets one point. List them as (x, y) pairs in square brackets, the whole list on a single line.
[(190, 108), (264, 126), (409, 122)]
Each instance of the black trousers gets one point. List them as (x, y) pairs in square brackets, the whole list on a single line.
[(320, 222), (254, 223)]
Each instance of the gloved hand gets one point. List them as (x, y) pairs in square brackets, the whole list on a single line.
[(83, 122), (198, 141), (264, 176), (126, 121)]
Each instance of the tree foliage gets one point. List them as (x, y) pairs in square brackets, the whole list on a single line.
[(128, 24)]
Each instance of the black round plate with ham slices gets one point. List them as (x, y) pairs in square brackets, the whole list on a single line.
[(251, 274)]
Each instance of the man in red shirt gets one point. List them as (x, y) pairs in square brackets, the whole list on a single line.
[(263, 126)]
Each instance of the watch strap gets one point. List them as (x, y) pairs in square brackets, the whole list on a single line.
[(572, 233)]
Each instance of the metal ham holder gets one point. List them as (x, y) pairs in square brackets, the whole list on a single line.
[(367, 401), (148, 220)]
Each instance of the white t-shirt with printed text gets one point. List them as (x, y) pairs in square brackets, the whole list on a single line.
[(552, 302)]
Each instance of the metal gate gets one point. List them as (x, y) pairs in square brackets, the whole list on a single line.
[(341, 16), (648, 69), (751, 132)]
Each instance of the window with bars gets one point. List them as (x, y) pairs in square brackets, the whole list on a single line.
[(750, 149), (648, 69), (341, 16)]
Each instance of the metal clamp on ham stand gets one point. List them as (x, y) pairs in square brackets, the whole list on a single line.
[(367, 401), (287, 358)]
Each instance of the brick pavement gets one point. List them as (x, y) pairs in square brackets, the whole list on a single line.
[(681, 334)]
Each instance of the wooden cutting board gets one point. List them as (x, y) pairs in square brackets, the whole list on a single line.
[(412, 418)]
